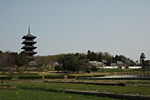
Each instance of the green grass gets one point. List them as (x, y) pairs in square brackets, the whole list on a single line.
[(86, 87), (51, 76), (20, 94)]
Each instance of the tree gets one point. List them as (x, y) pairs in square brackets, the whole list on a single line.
[(74, 62), (8, 59), (89, 55), (142, 58), (68, 62), (22, 59), (107, 57), (146, 64), (92, 56), (100, 56), (58, 68), (82, 63)]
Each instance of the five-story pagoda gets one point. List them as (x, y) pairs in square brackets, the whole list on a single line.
[(29, 45)]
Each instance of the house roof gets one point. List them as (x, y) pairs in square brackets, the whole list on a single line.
[(119, 63)]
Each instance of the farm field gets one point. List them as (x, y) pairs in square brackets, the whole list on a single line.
[(86, 87), (21, 94), (41, 91), (52, 85)]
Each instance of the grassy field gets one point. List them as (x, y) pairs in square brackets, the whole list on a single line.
[(25, 88), (69, 75), (42, 91), (21, 94), (62, 86), (65, 75)]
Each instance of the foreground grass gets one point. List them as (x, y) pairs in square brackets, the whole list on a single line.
[(20, 94), (62, 86)]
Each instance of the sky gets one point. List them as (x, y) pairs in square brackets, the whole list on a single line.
[(120, 27)]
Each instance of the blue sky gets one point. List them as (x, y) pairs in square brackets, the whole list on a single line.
[(69, 26)]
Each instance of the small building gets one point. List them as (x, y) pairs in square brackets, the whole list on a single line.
[(113, 64), (104, 61), (96, 64), (120, 63)]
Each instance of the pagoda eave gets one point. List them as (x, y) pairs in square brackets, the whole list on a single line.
[(28, 47), (30, 52), (25, 37), (28, 42)]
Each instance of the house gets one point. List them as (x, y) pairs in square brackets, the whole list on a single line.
[(113, 64), (96, 63), (120, 63), (104, 61)]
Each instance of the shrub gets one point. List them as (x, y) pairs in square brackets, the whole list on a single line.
[(54, 76), (29, 77)]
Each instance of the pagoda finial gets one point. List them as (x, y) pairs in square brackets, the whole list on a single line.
[(29, 30)]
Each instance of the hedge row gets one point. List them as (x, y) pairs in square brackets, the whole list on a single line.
[(84, 76), (7, 77), (31, 77)]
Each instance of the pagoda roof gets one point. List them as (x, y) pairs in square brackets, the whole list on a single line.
[(29, 36), (28, 41), (30, 52), (29, 44), (26, 47)]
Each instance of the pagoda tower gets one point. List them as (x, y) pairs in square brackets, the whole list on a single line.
[(29, 45)]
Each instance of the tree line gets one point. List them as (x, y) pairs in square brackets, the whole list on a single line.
[(10, 59), (20, 59), (80, 62), (108, 58), (74, 62)]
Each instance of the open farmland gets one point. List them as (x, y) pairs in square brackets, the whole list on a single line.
[(38, 90)]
